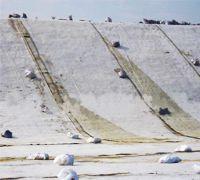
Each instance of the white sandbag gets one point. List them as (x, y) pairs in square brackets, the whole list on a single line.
[(183, 148), (94, 140), (45, 109), (109, 19), (67, 174), (196, 62), (73, 136), (38, 156), (30, 74), (122, 74), (116, 44), (64, 160), (196, 168), (169, 159)]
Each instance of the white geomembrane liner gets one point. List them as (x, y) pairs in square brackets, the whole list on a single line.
[(84, 85), (196, 168)]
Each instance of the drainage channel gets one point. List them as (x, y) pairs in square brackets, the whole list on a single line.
[(179, 122), (85, 121)]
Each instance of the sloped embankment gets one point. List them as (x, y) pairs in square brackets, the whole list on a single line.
[(78, 74), (21, 98), (84, 120), (179, 120)]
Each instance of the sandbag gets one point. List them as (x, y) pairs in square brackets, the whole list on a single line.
[(183, 148), (170, 159), (94, 140), (66, 174), (64, 160), (72, 135), (38, 156)]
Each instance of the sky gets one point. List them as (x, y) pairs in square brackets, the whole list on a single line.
[(98, 10)]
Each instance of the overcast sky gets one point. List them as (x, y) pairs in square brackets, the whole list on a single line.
[(98, 10)]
